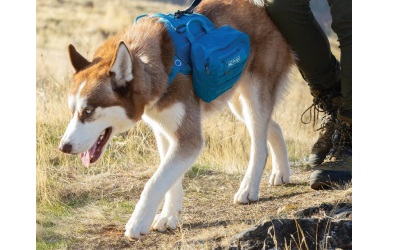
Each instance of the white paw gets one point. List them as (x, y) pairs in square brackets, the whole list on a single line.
[(164, 221), (246, 194), (136, 227), (279, 178)]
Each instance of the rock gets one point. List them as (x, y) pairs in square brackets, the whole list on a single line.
[(337, 211), (331, 231)]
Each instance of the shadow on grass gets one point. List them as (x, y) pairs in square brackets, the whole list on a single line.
[(284, 196), (296, 184), (217, 223)]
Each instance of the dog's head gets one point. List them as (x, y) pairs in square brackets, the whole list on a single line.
[(105, 99)]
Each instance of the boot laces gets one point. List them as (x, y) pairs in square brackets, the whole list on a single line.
[(341, 142), (327, 126), (320, 104)]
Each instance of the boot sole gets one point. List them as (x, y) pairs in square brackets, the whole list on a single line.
[(327, 179)]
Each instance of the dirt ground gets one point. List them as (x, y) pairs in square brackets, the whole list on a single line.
[(210, 219)]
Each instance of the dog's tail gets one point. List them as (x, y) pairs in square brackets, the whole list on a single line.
[(258, 2)]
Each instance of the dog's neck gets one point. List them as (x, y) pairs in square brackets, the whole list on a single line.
[(152, 53), (150, 44)]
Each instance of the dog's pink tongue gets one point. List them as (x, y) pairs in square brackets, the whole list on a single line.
[(85, 158), (87, 155)]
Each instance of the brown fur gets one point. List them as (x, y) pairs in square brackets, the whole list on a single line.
[(145, 38), (149, 37), (175, 112)]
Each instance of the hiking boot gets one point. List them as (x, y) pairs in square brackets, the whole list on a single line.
[(324, 142), (336, 169), (327, 101)]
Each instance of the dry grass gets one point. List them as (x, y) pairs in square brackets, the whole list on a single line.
[(80, 208)]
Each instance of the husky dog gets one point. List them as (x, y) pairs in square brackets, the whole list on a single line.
[(127, 81)]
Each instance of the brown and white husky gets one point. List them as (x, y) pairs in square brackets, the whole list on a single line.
[(127, 81)]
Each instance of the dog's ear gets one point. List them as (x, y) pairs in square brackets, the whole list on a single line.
[(121, 65), (77, 60)]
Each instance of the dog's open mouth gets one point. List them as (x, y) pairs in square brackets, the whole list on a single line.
[(93, 154)]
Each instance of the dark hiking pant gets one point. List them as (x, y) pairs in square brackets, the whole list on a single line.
[(315, 61)]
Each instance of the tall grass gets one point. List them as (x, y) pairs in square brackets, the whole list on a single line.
[(227, 142), (62, 183)]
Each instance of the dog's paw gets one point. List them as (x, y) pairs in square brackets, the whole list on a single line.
[(246, 194), (135, 228), (162, 222), (279, 178)]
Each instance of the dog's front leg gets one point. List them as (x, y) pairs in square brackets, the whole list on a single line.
[(171, 214), (177, 161)]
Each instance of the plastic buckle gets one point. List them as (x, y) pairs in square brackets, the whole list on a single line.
[(180, 13)]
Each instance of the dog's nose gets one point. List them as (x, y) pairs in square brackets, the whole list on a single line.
[(65, 147)]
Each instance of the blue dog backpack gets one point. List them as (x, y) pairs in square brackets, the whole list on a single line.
[(215, 57)]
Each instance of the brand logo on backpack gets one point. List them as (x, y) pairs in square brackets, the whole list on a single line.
[(234, 61)]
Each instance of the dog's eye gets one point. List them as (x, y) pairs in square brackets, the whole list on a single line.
[(87, 111)]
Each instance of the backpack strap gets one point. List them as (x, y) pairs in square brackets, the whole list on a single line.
[(189, 10), (182, 37), (177, 31)]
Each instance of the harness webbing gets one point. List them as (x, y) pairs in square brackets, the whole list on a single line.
[(176, 26)]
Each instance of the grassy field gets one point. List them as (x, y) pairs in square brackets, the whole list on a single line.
[(87, 208)]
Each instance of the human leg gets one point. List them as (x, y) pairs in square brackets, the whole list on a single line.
[(316, 63), (337, 166), (306, 38), (330, 86)]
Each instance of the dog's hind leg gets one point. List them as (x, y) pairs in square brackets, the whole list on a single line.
[(276, 142), (280, 164), (246, 106)]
